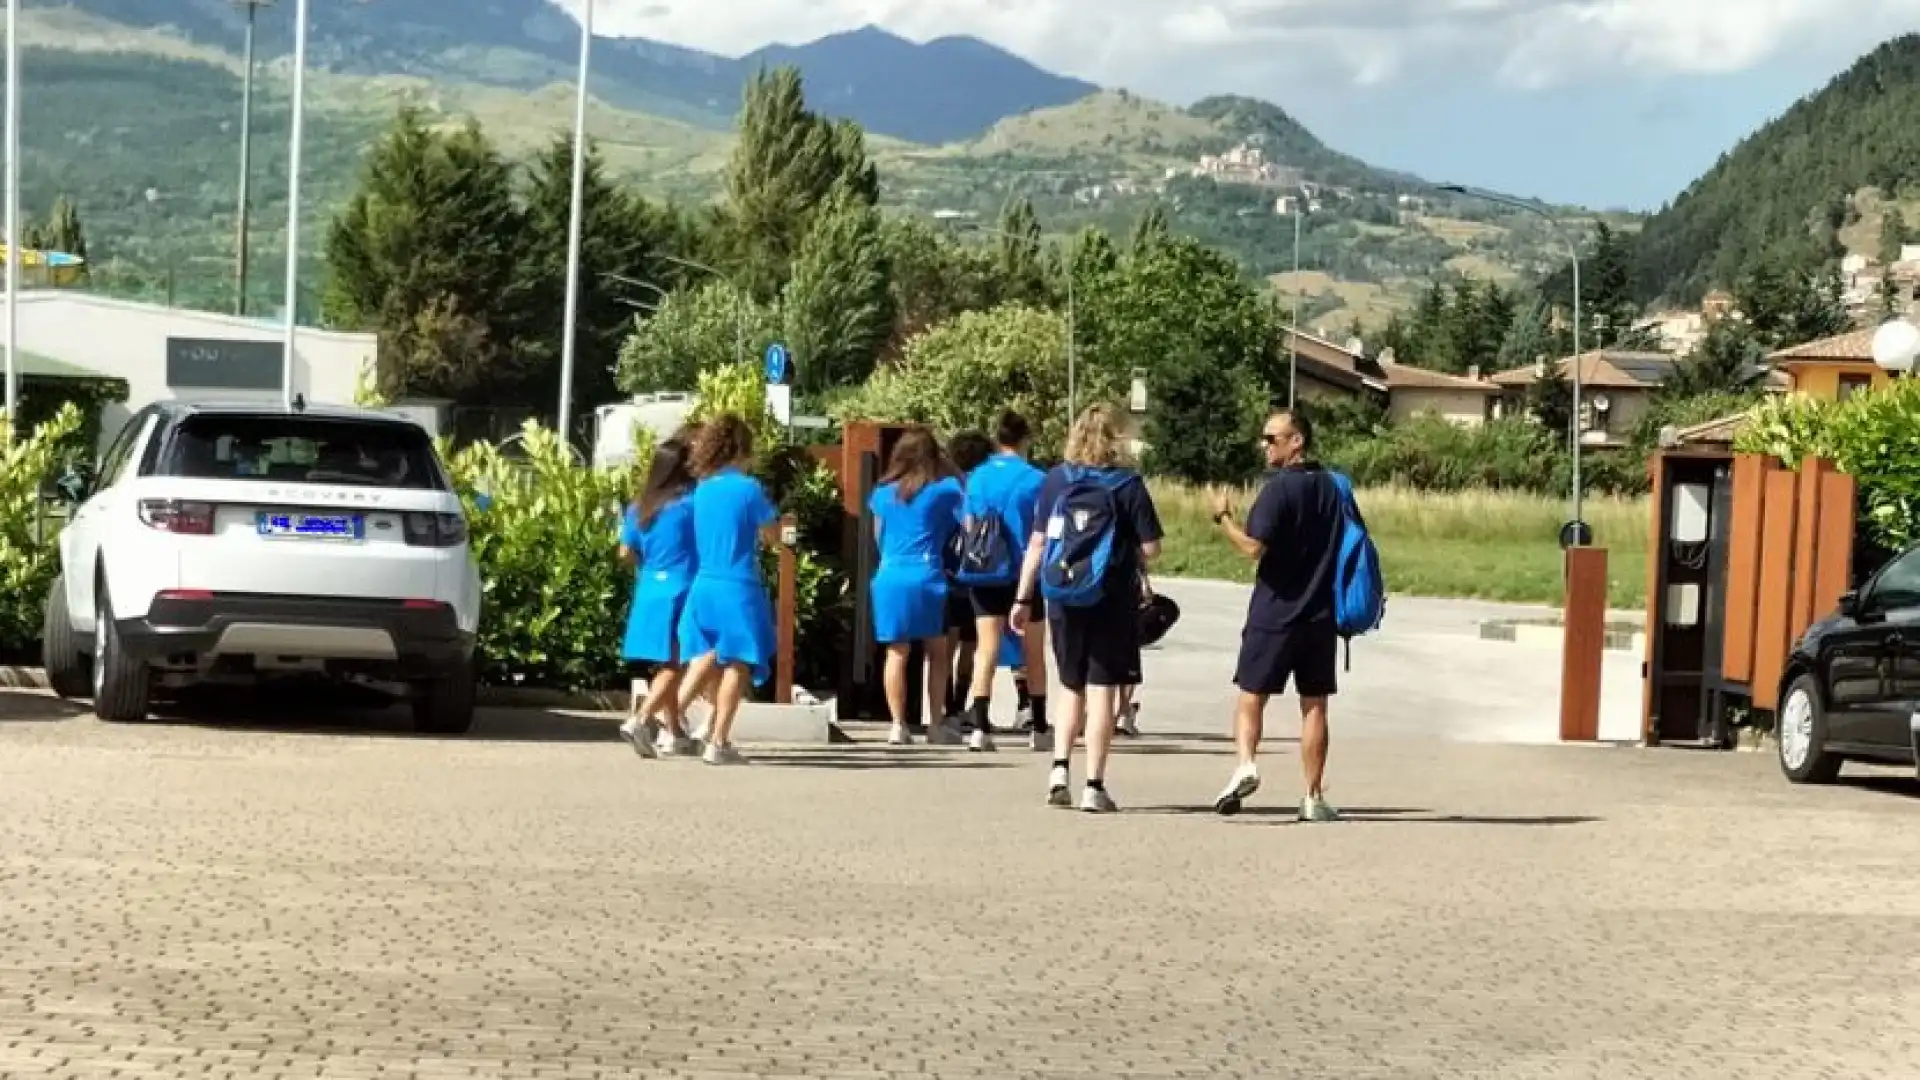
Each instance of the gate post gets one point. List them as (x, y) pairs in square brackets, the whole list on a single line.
[(1583, 643)]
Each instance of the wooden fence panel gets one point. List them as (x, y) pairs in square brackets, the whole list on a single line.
[(1806, 535), (1833, 544), (1778, 523), (1743, 566)]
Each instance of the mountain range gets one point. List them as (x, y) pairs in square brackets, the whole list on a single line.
[(940, 91), (129, 97)]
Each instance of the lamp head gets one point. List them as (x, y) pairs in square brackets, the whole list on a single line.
[(1896, 345)]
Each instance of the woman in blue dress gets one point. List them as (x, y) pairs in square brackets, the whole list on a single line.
[(656, 537), (728, 620), (916, 510)]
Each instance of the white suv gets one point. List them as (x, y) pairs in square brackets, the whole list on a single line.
[(236, 541)]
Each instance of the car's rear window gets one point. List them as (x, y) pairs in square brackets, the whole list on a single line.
[(302, 449)]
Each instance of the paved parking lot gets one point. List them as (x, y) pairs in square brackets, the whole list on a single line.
[(239, 899)]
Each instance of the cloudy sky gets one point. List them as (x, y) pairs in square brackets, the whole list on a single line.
[(1605, 102)]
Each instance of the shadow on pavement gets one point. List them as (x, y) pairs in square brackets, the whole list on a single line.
[(880, 759), (29, 705), (329, 709), (1907, 786), (1289, 815)]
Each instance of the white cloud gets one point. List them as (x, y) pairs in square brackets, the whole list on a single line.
[(1181, 48)]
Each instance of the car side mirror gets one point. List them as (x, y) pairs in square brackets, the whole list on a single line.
[(1850, 604), (73, 486)]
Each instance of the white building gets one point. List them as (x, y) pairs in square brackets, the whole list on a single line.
[(168, 353)]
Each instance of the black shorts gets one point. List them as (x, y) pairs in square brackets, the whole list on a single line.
[(1307, 655), (960, 612), (996, 602), (1095, 646)]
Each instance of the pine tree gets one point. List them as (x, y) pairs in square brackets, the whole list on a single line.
[(1018, 259), (433, 228), (785, 163), (1151, 231), (838, 308)]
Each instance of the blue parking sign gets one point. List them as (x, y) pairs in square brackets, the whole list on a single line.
[(779, 366)]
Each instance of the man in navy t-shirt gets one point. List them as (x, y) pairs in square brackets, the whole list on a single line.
[(1293, 534)]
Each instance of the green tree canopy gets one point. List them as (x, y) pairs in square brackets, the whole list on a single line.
[(703, 329), (838, 307)]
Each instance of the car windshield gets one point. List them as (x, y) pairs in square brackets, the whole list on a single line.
[(302, 449)]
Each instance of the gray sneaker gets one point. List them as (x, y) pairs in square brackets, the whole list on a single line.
[(1315, 808), (943, 735), (1041, 742), (1095, 800), (641, 737), (981, 741), (723, 755), (1057, 790)]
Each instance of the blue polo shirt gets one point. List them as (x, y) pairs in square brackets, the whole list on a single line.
[(1008, 485)]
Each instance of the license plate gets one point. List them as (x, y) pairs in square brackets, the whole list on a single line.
[(312, 526)]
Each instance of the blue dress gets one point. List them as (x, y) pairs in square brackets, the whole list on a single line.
[(910, 587), (727, 611), (666, 552)]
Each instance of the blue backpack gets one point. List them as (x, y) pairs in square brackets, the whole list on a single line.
[(1080, 535), (985, 551), (1359, 589)]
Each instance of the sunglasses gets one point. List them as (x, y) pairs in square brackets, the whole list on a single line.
[(1269, 439)]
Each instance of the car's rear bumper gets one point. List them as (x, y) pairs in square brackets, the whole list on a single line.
[(417, 637)]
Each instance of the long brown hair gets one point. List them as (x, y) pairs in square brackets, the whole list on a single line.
[(722, 441), (916, 461), (669, 477)]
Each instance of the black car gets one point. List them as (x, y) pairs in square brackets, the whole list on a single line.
[(1851, 691)]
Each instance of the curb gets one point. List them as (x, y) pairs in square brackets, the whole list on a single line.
[(23, 678)]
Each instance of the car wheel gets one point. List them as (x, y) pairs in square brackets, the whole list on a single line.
[(1802, 723), (121, 686), (445, 706), (62, 652)]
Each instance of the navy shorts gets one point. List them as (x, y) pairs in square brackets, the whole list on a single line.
[(1095, 646), (996, 602), (960, 612), (1307, 655)]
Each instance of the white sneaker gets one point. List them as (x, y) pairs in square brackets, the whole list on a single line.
[(1041, 742), (641, 737), (900, 736), (944, 734), (1057, 787), (1129, 722), (1095, 800), (1245, 781), (981, 742), (1314, 808), (668, 746), (723, 755)]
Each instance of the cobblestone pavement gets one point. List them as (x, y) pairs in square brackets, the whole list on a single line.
[(210, 900)]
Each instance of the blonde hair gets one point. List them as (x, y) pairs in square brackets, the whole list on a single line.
[(1095, 439)]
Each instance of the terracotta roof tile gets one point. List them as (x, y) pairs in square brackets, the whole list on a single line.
[(1855, 346), (1605, 369), (1406, 376)]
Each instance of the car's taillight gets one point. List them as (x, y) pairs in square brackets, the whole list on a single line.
[(175, 516), (434, 530)]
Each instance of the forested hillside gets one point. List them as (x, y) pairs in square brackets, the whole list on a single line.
[(1783, 195)]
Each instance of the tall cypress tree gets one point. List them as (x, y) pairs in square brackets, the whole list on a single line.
[(838, 308)]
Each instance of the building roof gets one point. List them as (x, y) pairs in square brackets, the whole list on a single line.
[(1855, 347), (1408, 377), (1719, 432), (1602, 368)]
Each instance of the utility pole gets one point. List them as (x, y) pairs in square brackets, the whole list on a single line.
[(295, 138), (246, 160)]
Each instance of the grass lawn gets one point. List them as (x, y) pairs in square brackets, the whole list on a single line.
[(1483, 545)]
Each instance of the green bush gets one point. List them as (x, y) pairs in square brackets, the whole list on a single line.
[(1432, 454), (1873, 437), (29, 548)]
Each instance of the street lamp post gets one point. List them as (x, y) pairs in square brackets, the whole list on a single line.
[(569, 332), (1072, 359), (294, 140), (1299, 287), (1577, 530), (246, 160), (13, 212)]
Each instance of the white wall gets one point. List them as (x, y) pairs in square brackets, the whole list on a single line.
[(127, 340)]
